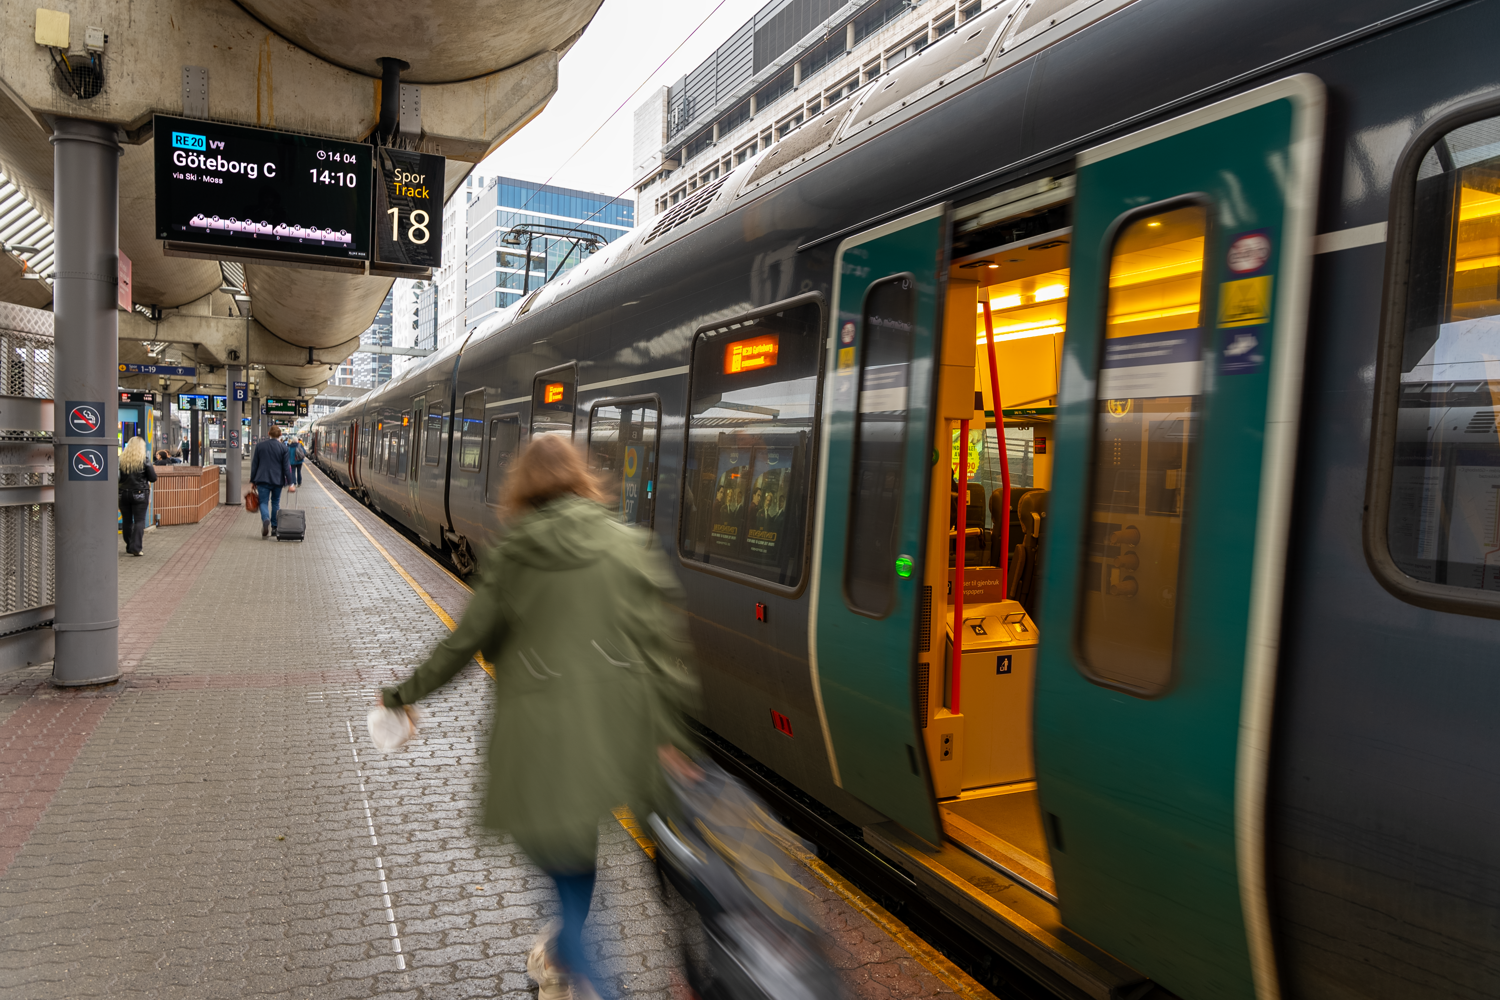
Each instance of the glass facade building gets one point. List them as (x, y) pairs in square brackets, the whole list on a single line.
[(499, 272)]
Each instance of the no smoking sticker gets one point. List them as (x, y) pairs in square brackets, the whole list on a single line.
[(85, 418), (86, 463)]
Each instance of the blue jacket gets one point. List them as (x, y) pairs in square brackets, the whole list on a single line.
[(270, 464)]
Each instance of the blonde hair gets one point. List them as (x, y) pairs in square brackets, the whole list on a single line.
[(133, 458), (549, 467)]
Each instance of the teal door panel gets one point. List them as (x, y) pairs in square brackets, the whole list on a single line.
[(872, 498), (1156, 675)]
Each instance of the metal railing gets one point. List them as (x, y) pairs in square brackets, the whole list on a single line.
[(27, 519)]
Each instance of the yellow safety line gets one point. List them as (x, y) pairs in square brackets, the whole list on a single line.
[(934, 961), (443, 616)]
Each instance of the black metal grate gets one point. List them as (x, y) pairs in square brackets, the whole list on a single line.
[(924, 632), (685, 211), (923, 673)]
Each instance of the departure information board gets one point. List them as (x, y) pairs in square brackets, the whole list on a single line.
[(259, 193)]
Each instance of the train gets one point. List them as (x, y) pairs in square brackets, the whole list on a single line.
[(1080, 447)]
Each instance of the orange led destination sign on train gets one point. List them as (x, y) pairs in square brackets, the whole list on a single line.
[(552, 392), (757, 352)]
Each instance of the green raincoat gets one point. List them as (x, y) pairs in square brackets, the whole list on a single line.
[(574, 612)]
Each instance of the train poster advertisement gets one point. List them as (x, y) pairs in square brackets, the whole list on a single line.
[(729, 499), (772, 472)]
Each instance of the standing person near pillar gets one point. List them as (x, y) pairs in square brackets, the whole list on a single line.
[(136, 477), (270, 470)]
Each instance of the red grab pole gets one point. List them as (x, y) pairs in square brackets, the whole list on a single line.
[(1004, 526), (958, 566)]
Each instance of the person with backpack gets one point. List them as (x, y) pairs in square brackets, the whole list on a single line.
[(575, 611), (270, 470), (298, 455), (135, 479)]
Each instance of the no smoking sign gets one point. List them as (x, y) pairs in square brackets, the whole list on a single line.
[(85, 418)]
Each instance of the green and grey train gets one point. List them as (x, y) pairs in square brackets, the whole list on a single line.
[(1081, 449)]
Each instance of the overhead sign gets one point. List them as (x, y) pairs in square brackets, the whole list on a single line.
[(255, 192), (286, 407), (138, 397), (302, 407), (85, 418), (241, 391), (158, 370), (409, 208), (192, 401)]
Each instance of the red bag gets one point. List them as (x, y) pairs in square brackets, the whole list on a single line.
[(252, 501)]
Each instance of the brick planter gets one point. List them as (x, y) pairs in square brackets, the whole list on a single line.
[(185, 494)]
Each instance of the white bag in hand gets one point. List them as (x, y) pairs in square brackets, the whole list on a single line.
[(390, 728)]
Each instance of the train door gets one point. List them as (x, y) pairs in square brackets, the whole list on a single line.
[(1176, 436), (867, 591)]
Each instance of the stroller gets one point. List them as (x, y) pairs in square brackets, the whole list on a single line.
[(753, 937)]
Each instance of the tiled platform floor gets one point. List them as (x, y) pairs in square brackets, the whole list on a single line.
[(206, 828)]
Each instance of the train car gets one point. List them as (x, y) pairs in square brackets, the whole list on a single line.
[(1081, 449)]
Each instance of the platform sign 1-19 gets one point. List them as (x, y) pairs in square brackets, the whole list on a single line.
[(284, 407), (409, 208), (260, 193)]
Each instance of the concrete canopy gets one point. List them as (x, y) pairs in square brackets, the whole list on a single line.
[(304, 65)]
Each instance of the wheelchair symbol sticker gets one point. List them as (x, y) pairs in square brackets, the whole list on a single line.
[(87, 464)]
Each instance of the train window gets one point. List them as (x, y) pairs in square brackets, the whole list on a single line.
[(751, 424), (505, 439), (414, 443), (879, 441), (1443, 523), (622, 452), (1150, 378), (552, 401), (398, 447), (433, 448), (471, 440)]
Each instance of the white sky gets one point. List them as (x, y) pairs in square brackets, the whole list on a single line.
[(626, 41)]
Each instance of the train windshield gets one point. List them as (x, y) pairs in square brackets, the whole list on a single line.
[(1444, 522), (750, 434)]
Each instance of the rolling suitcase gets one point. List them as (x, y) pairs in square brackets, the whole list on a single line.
[(291, 523)]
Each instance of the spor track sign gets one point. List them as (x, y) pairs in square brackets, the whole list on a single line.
[(409, 208)]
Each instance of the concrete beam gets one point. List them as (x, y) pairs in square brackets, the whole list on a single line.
[(212, 338)]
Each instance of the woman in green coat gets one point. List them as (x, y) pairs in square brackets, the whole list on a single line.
[(575, 612)]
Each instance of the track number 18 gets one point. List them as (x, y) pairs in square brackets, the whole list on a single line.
[(416, 231)]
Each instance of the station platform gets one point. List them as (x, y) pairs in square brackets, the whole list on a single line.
[(217, 823)]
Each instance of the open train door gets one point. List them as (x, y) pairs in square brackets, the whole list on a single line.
[(872, 495), (1177, 432)]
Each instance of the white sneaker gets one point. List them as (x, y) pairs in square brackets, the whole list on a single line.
[(543, 967)]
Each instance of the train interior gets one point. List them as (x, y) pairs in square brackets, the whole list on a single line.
[(978, 725)]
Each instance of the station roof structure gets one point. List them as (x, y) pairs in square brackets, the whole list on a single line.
[(485, 68)]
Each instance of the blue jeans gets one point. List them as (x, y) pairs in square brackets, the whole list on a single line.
[(576, 892), (297, 473), (270, 502)]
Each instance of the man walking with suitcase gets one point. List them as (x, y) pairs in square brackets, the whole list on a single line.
[(270, 470)]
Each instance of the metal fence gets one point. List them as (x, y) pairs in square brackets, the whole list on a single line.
[(27, 519)]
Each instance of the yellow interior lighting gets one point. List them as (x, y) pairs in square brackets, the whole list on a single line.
[(1158, 263), (1476, 204)]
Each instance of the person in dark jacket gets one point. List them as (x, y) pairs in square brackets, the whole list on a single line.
[(574, 612), (136, 477), (270, 470)]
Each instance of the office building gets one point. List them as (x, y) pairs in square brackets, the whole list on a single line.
[(785, 65), (563, 225)]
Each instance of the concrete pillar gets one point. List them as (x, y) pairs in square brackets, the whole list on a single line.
[(752, 105), (796, 74), (86, 207), (849, 37), (233, 412)]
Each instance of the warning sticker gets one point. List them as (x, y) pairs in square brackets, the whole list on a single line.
[(85, 418), (86, 463), (1246, 302)]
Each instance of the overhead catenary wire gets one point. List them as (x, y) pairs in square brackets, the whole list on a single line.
[(628, 98)]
